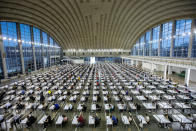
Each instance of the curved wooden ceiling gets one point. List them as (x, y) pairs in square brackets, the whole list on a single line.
[(95, 24)]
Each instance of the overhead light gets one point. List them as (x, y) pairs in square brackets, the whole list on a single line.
[(4, 38)]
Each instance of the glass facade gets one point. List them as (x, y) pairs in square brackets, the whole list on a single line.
[(155, 41), (46, 49), (141, 46), (27, 47), (194, 43), (166, 39), (12, 36), (180, 39), (11, 48), (38, 48), (147, 44)]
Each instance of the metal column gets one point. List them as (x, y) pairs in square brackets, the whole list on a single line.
[(3, 56), (33, 47), (20, 47)]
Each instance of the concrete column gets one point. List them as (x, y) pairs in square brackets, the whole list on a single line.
[(172, 39), (160, 39), (3, 56), (187, 76), (20, 47), (169, 70), (33, 47), (192, 36), (42, 48), (151, 68), (165, 72)]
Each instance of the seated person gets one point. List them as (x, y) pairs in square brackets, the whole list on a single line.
[(114, 120), (49, 92), (84, 107), (147, 118), (81, 121), (98, 107), (130, 119), (65, 119), (53, 98), (30, 120), (47, 121), (45, 106), (20, 106), (111, 107), (97, 120), (32, 98), (42, 98), (56, 106)]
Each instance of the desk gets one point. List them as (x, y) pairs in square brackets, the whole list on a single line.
[(141, 119), (59, 120), (41, 121), (75, 120), (125, 120), (181, 118), (91, 120), (109, 120), (141, 98), (161, 119), (149, 106), (164, 105), (182, 105)]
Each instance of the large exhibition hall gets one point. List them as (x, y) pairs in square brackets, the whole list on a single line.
[(97, 65)]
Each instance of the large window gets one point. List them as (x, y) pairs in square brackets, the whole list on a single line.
[(1, 68), (155, 40), (166, 39), (27, 47), (38, 48), (46, 50), (194, 42), (141, 46), (11, 48), (182, 36), (147, 44)]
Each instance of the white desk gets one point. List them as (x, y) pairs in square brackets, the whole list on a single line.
[(141, 119), (149, 106), (125, 120), (161, 119), (164, 105), (91, 120), (141, 98), (59, 120), (181, 118), (109, 120), (41, 121)]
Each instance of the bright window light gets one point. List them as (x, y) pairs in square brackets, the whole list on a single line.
[(92, 60)]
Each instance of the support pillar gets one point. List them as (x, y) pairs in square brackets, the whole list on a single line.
[(33, 47), (172, 38), (187, 76), (165, 72), (3, 56), (20, 47), (151, 68), (160, 39), (169, 70), (42, 48), (192, 36)]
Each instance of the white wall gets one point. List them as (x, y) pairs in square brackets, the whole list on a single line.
[(177, 69), (78, 61), (193, 75), (148, 66)]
